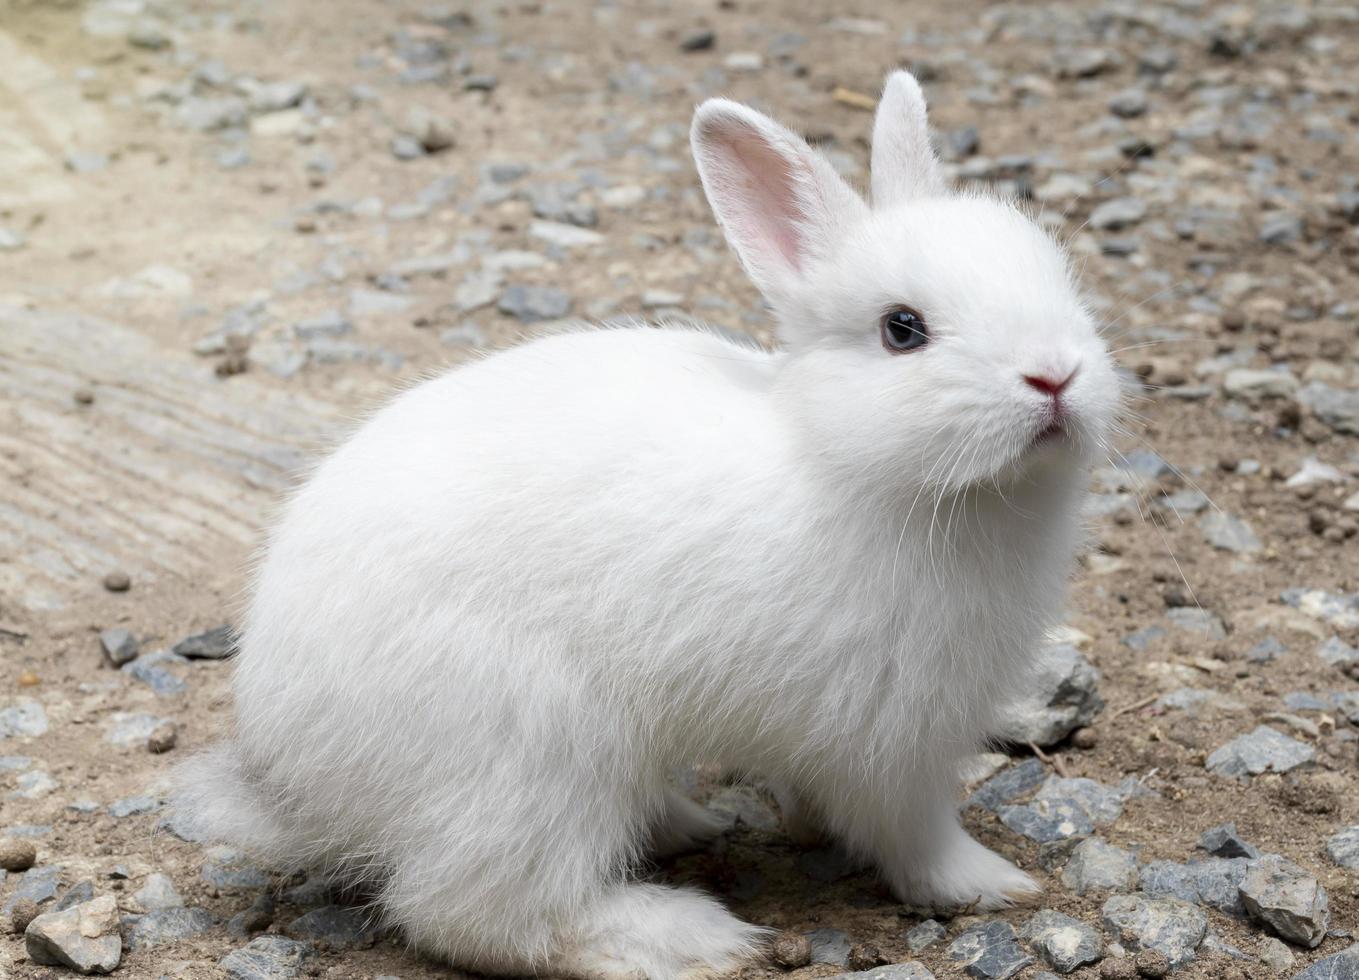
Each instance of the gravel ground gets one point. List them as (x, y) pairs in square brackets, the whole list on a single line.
[(289, 210)]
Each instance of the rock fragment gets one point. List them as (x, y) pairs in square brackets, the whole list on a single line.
[(267, 958), (1262, 750), (1061, 696), (84, 937), (1098, 866), (989, 951), (1064, 943), (1286, 899), (1169, 925), (168, 925), (119, 646)]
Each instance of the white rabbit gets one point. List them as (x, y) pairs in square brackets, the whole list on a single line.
[(524, 591)]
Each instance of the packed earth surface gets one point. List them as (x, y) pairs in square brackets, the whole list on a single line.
[(229, 229)]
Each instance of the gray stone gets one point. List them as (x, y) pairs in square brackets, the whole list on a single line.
[(1303, 701), (895, 971), (742, 804), (1343, 848), (266, 958), (1047, 820), (207, 114), (1286, 899), (698, 39), (151, 670), (828, 863), (1344, 965), (1336, 651), (227, 869), (1280, 228), (1168, 925), (1184, 502), (119, 646), (1336, 407), (1267, 650), (376, 302), (258, 917), (1101, 804), (331, 323), (24, 718), (529, 304), (276, 96), (84, 937), (1225, 842), (989, 951), (1214, 882), (34, 785), (1098, 866), (1228, 533), (564, 235), (157, 893), (829, 946), (165, 926), (1010, 784), (334, 926), (1263, 750), (77, 894), (1339, 610), (1129, 103), (1347, 703), (1256, 385), (1122, 212), (1084, 62), (133, 805), (1207, 625), (214, 644), (1064, 943), (126, 730), (1061, 695), (924, 935), (38, 885), (1275, 955)]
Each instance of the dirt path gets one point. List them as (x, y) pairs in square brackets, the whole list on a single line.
[(227, 229)]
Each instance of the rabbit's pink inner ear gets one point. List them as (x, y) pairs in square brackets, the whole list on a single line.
[(769, 213), (754, 190)]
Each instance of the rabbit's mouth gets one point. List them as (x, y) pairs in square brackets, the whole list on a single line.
[(1052, 431)]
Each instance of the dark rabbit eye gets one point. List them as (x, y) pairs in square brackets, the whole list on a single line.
[(903, 330)]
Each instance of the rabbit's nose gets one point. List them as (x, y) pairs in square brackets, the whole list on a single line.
[(1050, 382)]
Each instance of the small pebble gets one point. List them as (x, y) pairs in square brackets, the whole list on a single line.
[(1152, 963), (84, 396), (700, 39), (162, 738), (117, 582), (865, 956), (25, 911), (1084, 738), (791, 950), (17, 854), (1118, 969)]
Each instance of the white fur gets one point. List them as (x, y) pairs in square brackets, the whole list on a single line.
[(497, 616)]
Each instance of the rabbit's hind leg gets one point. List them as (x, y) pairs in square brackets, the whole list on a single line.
[(682, 826)]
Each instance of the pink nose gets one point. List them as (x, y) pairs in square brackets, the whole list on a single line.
[(1049, 384)]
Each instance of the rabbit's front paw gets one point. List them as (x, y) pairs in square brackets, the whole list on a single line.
[(964, 873)]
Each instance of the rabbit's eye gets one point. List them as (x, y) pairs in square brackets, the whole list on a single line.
[(903, 330)]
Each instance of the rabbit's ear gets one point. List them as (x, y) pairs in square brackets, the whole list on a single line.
[(904, 165), (780, 203)]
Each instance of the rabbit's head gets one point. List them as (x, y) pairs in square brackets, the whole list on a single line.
[(932, 339)]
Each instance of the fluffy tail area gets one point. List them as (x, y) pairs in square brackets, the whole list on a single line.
[(214, 801)]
